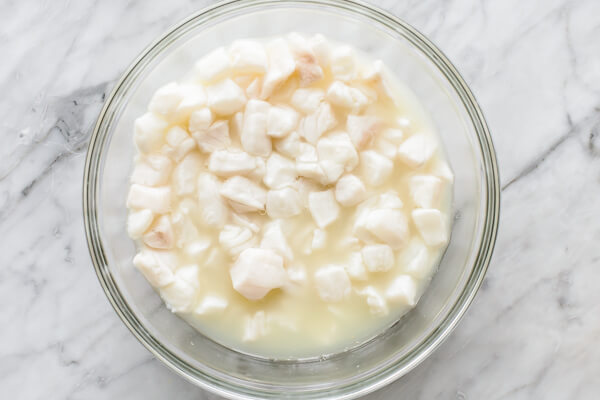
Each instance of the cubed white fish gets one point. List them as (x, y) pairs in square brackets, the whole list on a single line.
[(225, 97), (200, 120), (314, 125), (355, 267), (214, 211), (349, 190), (231, 162), (332, 283), (290, 145), (323, 208), (283, 203), (389, 226), (256, 272), (156, 199), (138, 222), (416, 150), (245, 193), (376, 302), (194, 97), (375, 169), (186, 173), (311, 170), (389, 199), (415, 259), (274, 239), (236, 239), (149, 132), (425, 190), (393, 135), (386, 148), (245, 220), (359, 228), (152, 170), (254, 136), (155, 270), (179, 295), (248, 56), (403, 289), (179, 143), (307, 100), (160, 235), (442, 170), (431, 224), (341, 95), (259, 171), (306, 186), (343, 63), (332, 171), (214, 137), (254, 88), (197, 248), (281, 66), (211, 304), (213, 65), (166, 99), (337, 147), (297, 273), (280, 172), (281, 121), (378, 257), (321, 48), (362, 129)]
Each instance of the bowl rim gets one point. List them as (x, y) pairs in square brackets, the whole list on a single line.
[(491, 188)]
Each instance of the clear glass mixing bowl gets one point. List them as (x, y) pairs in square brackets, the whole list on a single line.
[(460, 123)]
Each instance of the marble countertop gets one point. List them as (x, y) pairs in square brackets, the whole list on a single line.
[(533, 330)]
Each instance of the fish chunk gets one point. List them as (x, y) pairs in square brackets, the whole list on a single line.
[(376, 302), (200, 120), (337, 147), (332, 283), (281, 121), (283, 203), (213, 65), (403, 289), (255, 327), (281, 66), (389, 226), (225, 97), (416, 150), (314, 125), (375, 169), (179, 143), (186, 173), (425, 190), (256, 272), (157, 272), (362, 129), (323, 208), (138, 222), (152, 170), (349, 190), (274, 239), (431, 224), (343, 63), (290, 145), (307, 100), (244, 193), (166, 99), (231, 162), (254, 129), (160, 235), (156, 199), (214, 137), (378, 257), (211, 304), (342, 95), (415, 260), (236, 239), (214, 211), (280, 172), (180, 295), (149, 132), (248, 56), (355, 267)]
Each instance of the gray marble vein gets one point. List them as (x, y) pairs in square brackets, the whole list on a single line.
[(533, 329)]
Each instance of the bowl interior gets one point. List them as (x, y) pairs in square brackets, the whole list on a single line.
[(200, 359)]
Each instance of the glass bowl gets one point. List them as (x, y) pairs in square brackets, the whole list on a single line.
[(460, 123)]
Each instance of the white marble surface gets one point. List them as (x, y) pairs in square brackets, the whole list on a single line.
[(532, 332)]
